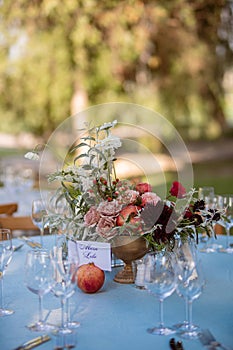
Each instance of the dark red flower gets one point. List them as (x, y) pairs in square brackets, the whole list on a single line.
[(199, 205), (197, 219), (177, 190), (188, 213), (164, 220)]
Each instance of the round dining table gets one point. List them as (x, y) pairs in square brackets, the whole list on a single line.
[(117, 316)]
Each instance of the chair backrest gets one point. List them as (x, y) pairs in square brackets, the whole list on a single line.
[(23, 223), (8, 208)]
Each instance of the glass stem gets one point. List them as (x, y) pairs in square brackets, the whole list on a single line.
[(41, 236), (63, 304), (68, 311), (211, 239), (190, 313), (1, 291), (40, 309), (161, 322), (186, 310), (227, 237)]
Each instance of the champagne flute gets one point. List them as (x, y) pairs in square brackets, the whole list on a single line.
[(228, 224), (39, 280), (6, 252), (160, 280), (65, 278), (190, 286), (38, 214)]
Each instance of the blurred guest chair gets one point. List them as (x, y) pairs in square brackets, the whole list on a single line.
[(8, 209), (19, 223)]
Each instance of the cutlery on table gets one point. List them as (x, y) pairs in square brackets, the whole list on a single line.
[(207, 339), (30, 242), (33, 343), (17, 247)]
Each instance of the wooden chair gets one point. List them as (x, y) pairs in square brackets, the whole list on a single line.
[(8, 208), (21, 223)]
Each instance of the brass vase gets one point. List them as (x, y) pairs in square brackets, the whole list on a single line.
[(128, 249)]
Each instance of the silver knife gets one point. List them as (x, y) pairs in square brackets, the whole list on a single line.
[(33, 343), (207, 339)]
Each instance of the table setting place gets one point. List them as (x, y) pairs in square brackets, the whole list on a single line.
[(116, 266)]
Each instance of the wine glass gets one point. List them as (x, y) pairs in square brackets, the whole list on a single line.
[(185, 252), (39, 280), (160, 280), (190, 286), (6, 252), (65, 278), (228, 224), (205, 191), (58, 211), (207, 194), (38, 214)]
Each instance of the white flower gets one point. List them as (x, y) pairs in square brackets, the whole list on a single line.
[(106, 126), (110, 142), (32, 156)]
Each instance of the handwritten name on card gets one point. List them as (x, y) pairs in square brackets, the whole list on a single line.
[(96, 252)]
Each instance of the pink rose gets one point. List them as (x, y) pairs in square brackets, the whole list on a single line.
[(143, 187), (105, 226), (177, 190), (92, 217), (150, 197), (129, 196), (111, 208)]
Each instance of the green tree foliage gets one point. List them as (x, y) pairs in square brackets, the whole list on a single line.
[(161, 54)]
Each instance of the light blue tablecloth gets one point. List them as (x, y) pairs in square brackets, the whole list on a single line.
[(116, 318)]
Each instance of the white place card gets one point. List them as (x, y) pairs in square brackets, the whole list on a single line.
[(96, 252)]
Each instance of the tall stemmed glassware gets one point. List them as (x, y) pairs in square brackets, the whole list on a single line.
[(207, 194), (228, 224), (185, 253), (206, 191), (6, 252), (160, 280), (190, 286), (58, 211), (38, 214), (65, 268), (39, 280), (217, 205)]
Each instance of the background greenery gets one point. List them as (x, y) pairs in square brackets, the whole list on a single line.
[(174, 56)]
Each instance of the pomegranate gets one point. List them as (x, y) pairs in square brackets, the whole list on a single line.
[(90, 278)]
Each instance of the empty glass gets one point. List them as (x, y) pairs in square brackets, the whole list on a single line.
[(38, 214), (190, 286), (207, 194), (228, 224), (185, 253), (160, 280), (6, 252), (39, 280), (65, 268)]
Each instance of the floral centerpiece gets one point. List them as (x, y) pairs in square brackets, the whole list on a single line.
[(103, 206)]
